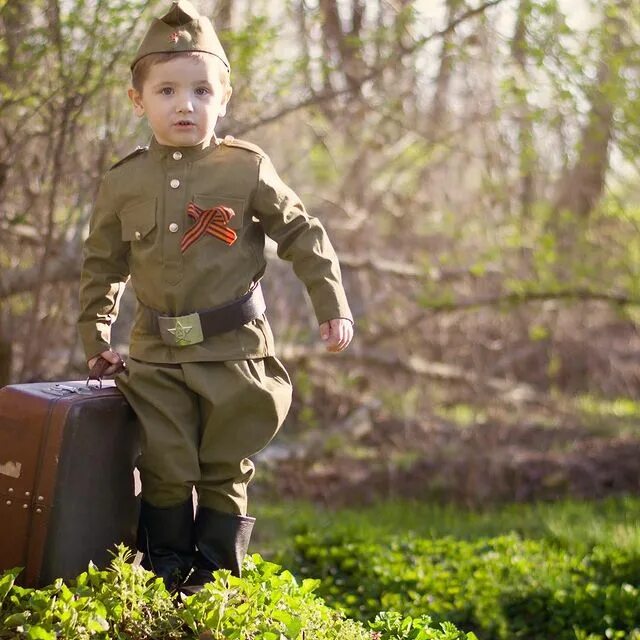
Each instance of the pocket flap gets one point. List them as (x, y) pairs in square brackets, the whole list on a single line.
[(138, 220)]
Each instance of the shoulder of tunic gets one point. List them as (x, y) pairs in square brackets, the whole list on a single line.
[(230, 141), (134, 154)]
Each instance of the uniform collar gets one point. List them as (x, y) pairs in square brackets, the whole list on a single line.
[(188, 153)]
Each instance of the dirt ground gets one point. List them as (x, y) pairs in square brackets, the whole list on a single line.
[(475, 465)]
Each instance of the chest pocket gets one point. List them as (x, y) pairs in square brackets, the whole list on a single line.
[(139, 220), (235, 204)]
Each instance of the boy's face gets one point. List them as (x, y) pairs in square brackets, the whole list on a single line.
[(182, 100)]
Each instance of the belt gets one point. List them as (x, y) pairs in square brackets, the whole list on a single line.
[(193, 328)]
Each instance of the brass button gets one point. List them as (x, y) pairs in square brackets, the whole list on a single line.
[(173, 227), (177, 155), (138, 235), (175, 183)]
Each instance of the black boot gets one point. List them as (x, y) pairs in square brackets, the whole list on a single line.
[(222, 540), (165, 537)]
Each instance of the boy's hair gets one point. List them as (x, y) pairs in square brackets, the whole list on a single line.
[(141, 69)]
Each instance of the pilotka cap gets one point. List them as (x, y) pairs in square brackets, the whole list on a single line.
[(181, 29)]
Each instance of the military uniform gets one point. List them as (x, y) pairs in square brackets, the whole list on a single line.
[(188, 225), (140, 218)]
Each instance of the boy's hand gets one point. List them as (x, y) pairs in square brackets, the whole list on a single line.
[(110, 356), (337, 334)]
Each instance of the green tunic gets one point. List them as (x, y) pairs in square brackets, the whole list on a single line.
[(136, 230)]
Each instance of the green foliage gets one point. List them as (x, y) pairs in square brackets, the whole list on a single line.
[(463, 415), (619, 407), (575, 526), (249, 48), (391, 624), (322, 164), (502, 587), (128, 603), (120, 603)]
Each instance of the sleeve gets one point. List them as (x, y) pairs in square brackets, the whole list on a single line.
[(303, 241), (104, 274)]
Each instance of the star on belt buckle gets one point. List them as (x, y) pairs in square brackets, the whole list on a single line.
[(180, 331)]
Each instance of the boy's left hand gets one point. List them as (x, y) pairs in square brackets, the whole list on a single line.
[(336, 334)]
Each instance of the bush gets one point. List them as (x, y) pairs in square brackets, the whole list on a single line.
[(501, 588), (127, 602)]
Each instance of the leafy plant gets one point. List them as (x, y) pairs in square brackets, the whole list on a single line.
[(126, 602), (501, 588)]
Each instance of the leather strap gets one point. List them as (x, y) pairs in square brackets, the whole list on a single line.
[(100, 368), (227, 317)]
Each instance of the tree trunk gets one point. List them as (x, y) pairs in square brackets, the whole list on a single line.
[(341, 43), (582, 185), (223, 15), (440, 97), (526, 146), (5, 361)]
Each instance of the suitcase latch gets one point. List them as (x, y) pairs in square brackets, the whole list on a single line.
[(65, 390)]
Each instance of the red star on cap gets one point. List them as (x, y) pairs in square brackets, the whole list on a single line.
[(174, 37)]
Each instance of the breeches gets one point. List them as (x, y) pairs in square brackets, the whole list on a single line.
[(200, 424)]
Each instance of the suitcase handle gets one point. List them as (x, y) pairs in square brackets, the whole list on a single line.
[(103, 367)]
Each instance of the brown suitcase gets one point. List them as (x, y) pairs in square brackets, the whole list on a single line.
[(67, 454)]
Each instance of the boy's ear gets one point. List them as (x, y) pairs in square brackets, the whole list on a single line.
[(136, 100), (225, 101)]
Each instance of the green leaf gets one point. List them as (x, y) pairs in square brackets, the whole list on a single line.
[(98, 624), (7, 581), (309, 585), (40, 633)]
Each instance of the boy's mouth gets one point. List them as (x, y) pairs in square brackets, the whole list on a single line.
[(184, 123)]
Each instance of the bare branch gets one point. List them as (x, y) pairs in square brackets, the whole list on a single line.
[(60, 269), (381, 265), (463, 17), (324, 96), (414, 365), (583, 295), (407, 270)]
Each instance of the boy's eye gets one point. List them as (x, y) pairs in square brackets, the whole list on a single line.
[(202, 91), (166, 91)]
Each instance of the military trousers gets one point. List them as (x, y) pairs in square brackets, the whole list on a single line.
[(201, 422)]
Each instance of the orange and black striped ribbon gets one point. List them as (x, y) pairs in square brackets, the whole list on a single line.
[(212, 221)]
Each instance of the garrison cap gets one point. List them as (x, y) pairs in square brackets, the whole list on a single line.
[(182, 28)]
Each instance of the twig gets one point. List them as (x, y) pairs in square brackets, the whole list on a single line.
[(16, 281), (583, 295), (416, 365), (318, 98)]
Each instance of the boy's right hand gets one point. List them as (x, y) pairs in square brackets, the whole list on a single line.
[(110, 356)]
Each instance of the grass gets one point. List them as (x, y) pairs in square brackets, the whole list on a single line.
[(608, 417), (573, 525), (548, 571)]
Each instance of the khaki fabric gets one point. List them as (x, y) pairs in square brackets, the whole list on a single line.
[(182, 28), (201, 422), (139, 219)]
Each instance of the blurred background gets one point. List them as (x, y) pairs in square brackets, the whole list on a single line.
[(476, 165)]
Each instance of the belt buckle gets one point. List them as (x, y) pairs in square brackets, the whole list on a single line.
[(180, 331)]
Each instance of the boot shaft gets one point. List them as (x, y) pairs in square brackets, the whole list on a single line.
[(222, 539), (166, 538)]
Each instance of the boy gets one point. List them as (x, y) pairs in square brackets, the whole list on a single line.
[(186, 219)]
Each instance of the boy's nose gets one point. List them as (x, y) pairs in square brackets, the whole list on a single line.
[(185, 106)]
